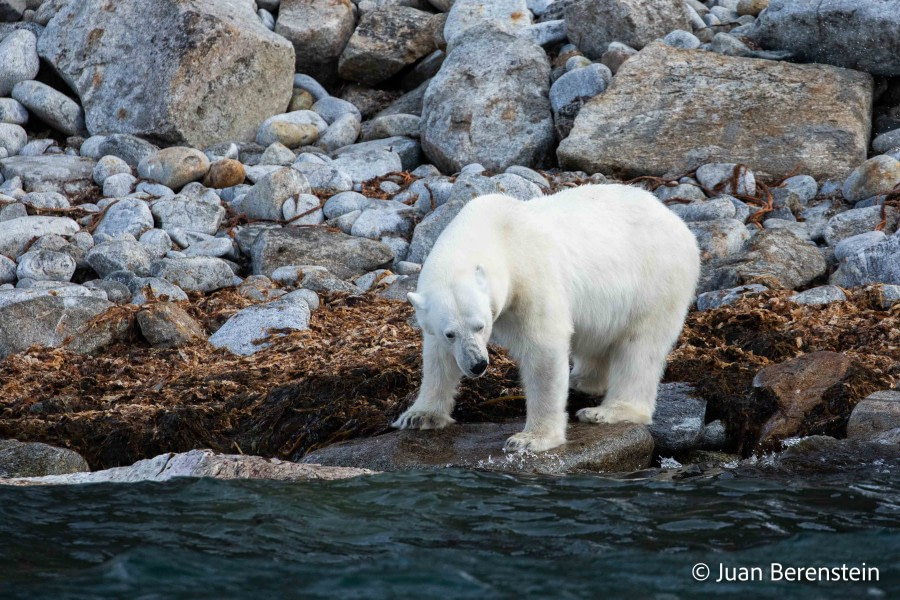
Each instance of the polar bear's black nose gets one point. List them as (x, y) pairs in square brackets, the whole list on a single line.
[(479, 367)]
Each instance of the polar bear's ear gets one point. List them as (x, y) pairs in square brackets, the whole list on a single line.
[(417, 300), (481, 277)]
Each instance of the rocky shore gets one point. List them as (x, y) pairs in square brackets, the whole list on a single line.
[(210, 214)]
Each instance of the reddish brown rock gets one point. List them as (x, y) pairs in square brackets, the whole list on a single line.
[(810, 394), (224, 173)]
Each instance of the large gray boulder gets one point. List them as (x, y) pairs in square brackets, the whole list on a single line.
[(207, 71), (46, 321), (319, 30), (248, 330), (590, 448), (671, 110), (387, 40), (488, 104), (879, 263), (775, 258), (344, 256), (847, 33), (593, 24), (34, 459)]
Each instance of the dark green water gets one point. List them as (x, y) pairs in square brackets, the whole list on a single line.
[(451, 534)]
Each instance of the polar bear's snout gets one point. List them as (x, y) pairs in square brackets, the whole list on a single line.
[(472, 360)]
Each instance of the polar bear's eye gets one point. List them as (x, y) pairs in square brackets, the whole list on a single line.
[(450, 335)]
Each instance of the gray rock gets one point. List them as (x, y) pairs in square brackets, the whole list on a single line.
[(288, 275), (33, 459), (37, 147), (180, 212), (825, 294), (804, 186), (345, 222), (320, 280), (174, 167), (590, 449), (365, 166), (579, 84), (408, 149), (768, 117), (277, 154), (217, 246), (345, 202), (119, 255), (18, 59), (11, 111), (45, 320), (845, 33), (342, 132), (386, 41), (45, 200), (529, 174), (291, 129), (199, 463), (853, 244), (324, 180), (719, 238), (479, 108), (859, 220), (129, 148), (723, 43), (7, 270), (682, 191), (108, 166), (12, 138), (194, 274), (593, 25), (115, 291), (50, 173), (344, 256), (266, 198), (16, 234), (167, 325), (13, 210), (679, 418), (877, 175), (517, 187), (319, 30), (720, 178), (877, 413), (141, 87), (879, 263), (304, 209), (545, 33), (774, 257), (726, 297), (888, 296), (46, 265), (144, 289), (427, 231), (682, 40), (882, 144), (331, 109), (705, 210), (157, 242), (374, 223), (241, 334), (119, 185), (388, 126), (505, 15), (52, 107)]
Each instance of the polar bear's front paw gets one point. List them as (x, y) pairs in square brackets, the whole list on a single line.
[(420, 419), (527, 441), (617, 414)]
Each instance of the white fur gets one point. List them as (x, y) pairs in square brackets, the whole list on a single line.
[(602, 273)]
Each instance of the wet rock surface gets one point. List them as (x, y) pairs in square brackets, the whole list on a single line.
[(590, 448)]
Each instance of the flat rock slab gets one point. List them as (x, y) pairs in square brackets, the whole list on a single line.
[(591, 448), (199, 463), (671, 110), (50, 173)]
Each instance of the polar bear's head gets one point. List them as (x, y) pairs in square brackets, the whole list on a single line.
[(460, 319)]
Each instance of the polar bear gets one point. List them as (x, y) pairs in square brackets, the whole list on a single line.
[(603, 274)]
